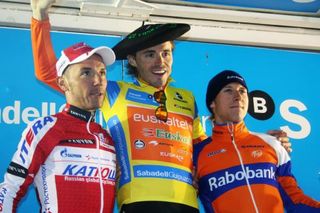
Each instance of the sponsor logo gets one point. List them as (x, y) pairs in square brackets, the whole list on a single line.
[(163, 134), (182, 152), (3, 193), (210, 154), (154, 143), (182, 107), (175, 122), (139, 97), (65, 154), (77, 114), (160, 133), (17, 170), (229, 178), (89, 171), (148, 132), (234, 76), (261, 105), (104, 142), (47, 210), (45, 185), (34, 130), (18, 113), (256, 153), (139, 144), (178, 97), (95, 158), (252, 146), (172, 155), (163, 174), (78, 141)]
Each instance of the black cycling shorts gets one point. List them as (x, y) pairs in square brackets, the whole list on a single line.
[(157, 207)]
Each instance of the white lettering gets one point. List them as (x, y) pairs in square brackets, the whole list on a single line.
[(229, 178), (294, 118), (259, 105), (29, 112), (16, 114), (15, 109), (152, 119), (204, 120)]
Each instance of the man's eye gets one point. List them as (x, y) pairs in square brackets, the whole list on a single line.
[(227, 90), (167, 53), (85, 72), (149, 55), (103, 72)]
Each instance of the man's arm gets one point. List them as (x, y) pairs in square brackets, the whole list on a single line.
[(43, 53), (21, 171)]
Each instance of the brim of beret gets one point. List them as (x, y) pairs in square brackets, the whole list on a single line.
[(147, 36)]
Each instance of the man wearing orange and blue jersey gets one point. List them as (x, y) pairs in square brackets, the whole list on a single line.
[(242, 171)]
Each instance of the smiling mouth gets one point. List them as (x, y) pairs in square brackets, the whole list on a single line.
[(159, 71)]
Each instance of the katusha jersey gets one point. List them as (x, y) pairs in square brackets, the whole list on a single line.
[(267, 165), (155, 157), (71, 162)]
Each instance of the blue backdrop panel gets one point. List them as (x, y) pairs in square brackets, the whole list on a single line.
[(305, 6), (289, 78)]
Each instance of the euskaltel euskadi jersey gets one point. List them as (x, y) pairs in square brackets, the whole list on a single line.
[(155, 156)]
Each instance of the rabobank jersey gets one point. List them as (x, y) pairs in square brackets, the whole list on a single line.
[(155, 156), (267, 165)]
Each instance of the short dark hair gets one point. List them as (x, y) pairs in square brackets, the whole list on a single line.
[(131, 70)]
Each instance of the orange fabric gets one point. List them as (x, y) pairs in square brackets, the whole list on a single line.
[(43, 53), (222, 185)]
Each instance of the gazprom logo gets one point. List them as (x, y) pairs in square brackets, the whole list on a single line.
[(65, 154), (232, 177)]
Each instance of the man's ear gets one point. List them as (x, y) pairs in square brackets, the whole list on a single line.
[(212, 106), (63, 83), (132, 60)]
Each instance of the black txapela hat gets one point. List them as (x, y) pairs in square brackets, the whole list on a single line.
[(147, 36), (219, 81)]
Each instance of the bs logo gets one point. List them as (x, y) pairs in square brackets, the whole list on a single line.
[(261, 105)]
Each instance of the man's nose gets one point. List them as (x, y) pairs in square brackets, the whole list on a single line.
[(236, 95), (159, 59), (97, 78)]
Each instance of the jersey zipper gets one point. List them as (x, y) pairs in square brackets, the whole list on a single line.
[(231, 132), (99, 163)]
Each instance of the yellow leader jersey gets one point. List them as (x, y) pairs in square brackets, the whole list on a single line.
[(155, 157)]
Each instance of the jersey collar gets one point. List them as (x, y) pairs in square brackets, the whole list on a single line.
[(141, 83), (79, 113)]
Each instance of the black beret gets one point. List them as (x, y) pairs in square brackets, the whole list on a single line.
[(219, 81), (147, 36)]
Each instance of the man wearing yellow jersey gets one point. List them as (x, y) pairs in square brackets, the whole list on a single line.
[(152, 123)]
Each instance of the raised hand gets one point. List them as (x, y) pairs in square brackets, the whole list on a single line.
[(40, 8)]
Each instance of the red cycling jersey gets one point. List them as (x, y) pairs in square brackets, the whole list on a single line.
[(228, 157), (70, 160)]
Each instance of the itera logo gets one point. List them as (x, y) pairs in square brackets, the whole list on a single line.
[(16, 113)]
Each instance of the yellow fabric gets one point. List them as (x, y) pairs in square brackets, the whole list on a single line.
[(155, 157)]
